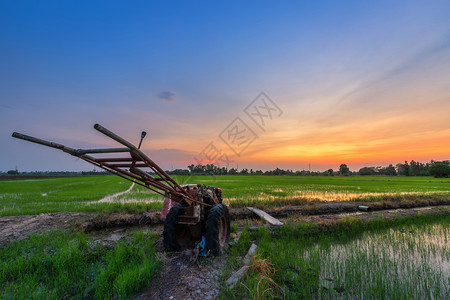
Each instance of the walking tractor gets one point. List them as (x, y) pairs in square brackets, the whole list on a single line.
[(191, 211)]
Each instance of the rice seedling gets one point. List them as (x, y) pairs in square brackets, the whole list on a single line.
[(400, 259)]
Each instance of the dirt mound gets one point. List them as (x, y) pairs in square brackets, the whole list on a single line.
[(336, 207), (121, 220), (18, 227)]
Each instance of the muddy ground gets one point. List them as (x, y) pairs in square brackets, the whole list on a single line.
[(182, 277), (18, 227)]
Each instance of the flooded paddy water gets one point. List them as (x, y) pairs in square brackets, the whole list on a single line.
[(408, 262)]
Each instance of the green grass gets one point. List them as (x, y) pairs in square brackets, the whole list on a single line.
[(58, 265), (248, 190), (46, 195), (400, 259), (31, 196)]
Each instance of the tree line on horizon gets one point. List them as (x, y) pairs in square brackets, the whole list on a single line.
[(413, 168), (440, 169)]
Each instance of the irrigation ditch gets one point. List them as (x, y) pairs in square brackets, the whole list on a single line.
[(314, 211), (18, 227)]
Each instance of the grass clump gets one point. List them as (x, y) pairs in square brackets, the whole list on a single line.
[(261, 285), (58, 265), (233, 227)]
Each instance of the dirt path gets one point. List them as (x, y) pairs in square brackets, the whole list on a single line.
[(182, 278), (112, 198)]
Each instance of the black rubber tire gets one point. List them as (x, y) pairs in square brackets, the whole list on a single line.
[(175, 236), (217, 229)]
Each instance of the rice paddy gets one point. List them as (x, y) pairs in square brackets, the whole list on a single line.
[(112, 193), (400, 259), (285, 190), (73, 194)]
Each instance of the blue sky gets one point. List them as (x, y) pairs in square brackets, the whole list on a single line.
[(359, 82)]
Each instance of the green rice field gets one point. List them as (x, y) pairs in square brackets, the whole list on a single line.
[(404, 258), (400, 259), (112, 193)]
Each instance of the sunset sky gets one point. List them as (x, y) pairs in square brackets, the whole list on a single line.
[(366, 83)]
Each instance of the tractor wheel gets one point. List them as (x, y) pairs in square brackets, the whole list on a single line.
[(176, 236), (217, 229)]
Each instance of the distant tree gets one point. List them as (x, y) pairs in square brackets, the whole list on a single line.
[(233, 171), (223, 171), (367, 171), (12, 172), (178, 172), (330, 172), (210, 169), (403, 169), (343, 169), (440, 170), (244, 172), (389, 171), (418, 169)]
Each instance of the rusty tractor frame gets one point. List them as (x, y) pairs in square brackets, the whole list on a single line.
[(191, 211)]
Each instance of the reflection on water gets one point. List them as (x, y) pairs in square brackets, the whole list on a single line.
[(411, 261), (322, 195)]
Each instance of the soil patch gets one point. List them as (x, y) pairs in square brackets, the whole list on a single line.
[(18, 227), (182, 278)]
